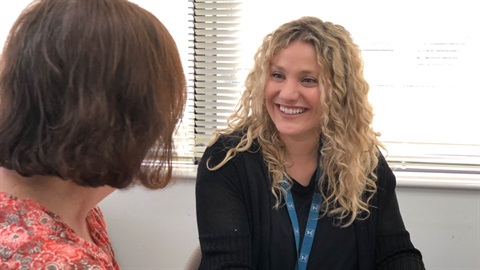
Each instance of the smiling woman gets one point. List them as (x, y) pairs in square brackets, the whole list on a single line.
[(297, 179), (293, 91)]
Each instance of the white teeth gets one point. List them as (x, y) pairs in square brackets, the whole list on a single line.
[(291, 111)]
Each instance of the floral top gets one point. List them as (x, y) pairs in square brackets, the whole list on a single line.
[(31, 237)]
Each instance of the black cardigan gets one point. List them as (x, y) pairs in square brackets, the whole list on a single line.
[(234, 205)]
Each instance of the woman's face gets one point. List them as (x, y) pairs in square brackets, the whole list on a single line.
[(292, 92)]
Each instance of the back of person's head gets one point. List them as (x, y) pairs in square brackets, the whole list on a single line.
[(90, 91)]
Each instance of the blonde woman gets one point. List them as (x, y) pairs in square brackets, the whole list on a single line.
[(297, 180)]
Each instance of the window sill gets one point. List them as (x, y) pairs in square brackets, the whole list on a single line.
[(404, 179), (438, 180)]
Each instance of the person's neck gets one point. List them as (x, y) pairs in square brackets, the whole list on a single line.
[(69, 201), (302, 158)]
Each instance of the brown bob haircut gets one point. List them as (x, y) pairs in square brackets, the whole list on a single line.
[(90, 91)]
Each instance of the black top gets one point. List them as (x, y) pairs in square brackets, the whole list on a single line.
[(236, 220), (333, 247)]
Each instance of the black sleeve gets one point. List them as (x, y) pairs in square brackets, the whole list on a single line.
[(393, 249), (222, 217)]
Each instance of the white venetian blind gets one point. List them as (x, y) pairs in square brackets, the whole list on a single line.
[(420, 58), (217, 58)]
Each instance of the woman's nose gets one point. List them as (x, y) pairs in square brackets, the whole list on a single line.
[(289, 90)]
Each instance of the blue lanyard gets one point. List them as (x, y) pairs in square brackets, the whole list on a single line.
[(304, 253)]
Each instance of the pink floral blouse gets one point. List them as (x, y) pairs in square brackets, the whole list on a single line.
[(31, 237)]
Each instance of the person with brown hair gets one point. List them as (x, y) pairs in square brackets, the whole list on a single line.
[(90, 96), (297, 179)]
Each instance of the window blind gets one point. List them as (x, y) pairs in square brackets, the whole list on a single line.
[(184, 136), (217, 62)]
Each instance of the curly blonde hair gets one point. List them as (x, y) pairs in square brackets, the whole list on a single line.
[(349, 146)]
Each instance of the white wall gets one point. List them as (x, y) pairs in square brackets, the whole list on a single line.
[(152, 229), (444, 225), (157, 229)]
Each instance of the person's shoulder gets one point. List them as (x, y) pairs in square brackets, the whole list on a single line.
[(222, 144), (22, 222), (73, 253), (39, 250), (385, 177), (382, 162), (216, 153), (95, 216), (227, 141), (31, 237), (48, 253)]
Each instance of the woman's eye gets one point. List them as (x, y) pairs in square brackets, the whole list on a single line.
[(277, 75), (310, 81)]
